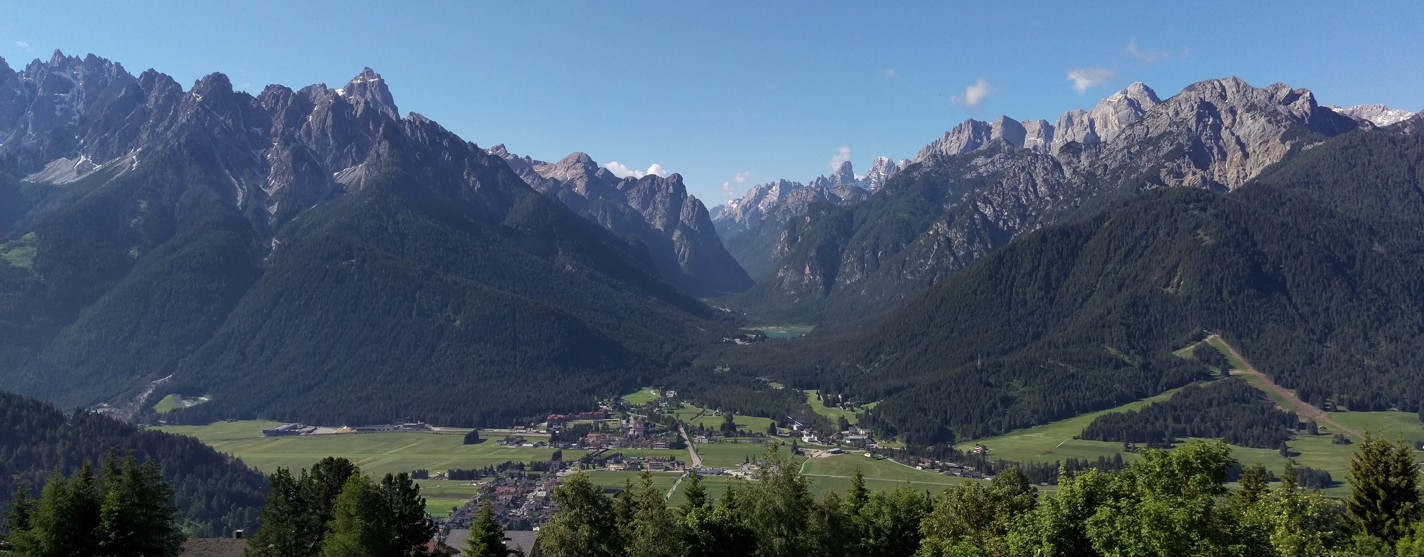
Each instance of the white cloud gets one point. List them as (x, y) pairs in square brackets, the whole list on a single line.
[(24, 46), (742, 177), (729, 191), (974, 94), (621, 171), (842, 155), (1145, 56), (1088, 78), (890, 74)]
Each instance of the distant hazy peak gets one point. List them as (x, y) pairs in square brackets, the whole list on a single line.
[(1377, 114)]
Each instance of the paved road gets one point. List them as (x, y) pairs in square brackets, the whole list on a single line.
[(691, 449)]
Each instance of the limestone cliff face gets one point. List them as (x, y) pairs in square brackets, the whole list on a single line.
[(657, 211), (983, 183)]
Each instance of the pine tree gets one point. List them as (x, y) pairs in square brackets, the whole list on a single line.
[(137, 517), (486, 536), (405, 516), (65, 518), (358, 529), (625, 508), (282, 521), (1384, 489)]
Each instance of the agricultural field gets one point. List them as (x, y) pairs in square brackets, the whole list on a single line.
[(643, 396), (834, 473), (712, 421), (173, 402), (376, 453), (730, 455), (781, 332), (833, 412), (443, 496)]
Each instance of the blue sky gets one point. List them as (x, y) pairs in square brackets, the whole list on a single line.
[(722, 91)]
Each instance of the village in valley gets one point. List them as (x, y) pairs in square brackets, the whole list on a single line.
[(517, 468)]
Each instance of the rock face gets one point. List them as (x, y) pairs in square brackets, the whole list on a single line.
[(1377, 114), (656, 211), (983, 183), (751, 225)]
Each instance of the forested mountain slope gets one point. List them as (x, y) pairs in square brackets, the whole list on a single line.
[(1314, 269), (313, 238), (214, 492)]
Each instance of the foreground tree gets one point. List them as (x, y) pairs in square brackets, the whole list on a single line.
[(283, 521), (654, 532), (132, 515), (584, 525), (1384, 489), (359, 529), (404, 514), (486, 536), (137, 516), (977, 518)]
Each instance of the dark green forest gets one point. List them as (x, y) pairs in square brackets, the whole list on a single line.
[(212, 492)]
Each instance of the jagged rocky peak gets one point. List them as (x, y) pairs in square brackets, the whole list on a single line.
[(1108, 118), (575, 166), (881, 170), (845, 174), (368, 91), (1377, 114)]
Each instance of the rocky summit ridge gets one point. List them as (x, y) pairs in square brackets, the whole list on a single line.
[(656, 211), (983, 183)]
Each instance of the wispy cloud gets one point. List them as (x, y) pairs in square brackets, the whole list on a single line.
[(842, 155), (620, 170), (24, 46), (1144, 56), (739, 179), (974, 94), (742, 177), (890, 74), (1088, 78)]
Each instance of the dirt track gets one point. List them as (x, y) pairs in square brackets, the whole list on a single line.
[(1300, 407)]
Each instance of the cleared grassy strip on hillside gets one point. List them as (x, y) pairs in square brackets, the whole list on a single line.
[(1283, 397), (1055, 441)]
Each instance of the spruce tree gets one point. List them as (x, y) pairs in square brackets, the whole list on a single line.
[(654, 532), (137, 517), (1252, 485), (486, 536), (695, 492), (22, 507), (405, 516), (1384, 489), (282, 521)]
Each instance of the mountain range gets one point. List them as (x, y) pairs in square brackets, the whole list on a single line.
[(314, 255), (262, 248), (981, 185)]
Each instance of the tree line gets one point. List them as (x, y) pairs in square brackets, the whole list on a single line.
[(1167, 503), (125, 509)]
